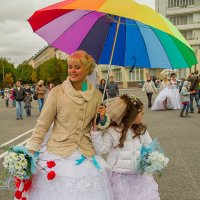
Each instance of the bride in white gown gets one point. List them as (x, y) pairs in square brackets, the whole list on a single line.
[(168, 97)]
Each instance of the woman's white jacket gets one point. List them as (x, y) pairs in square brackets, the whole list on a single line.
[(124, 159)]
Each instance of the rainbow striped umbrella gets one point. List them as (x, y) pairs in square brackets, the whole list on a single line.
[(117, 32)]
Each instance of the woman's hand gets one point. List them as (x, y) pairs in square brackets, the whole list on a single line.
[(101, 110), (32, 152)]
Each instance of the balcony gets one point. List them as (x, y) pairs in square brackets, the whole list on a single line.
[(182, 10), (194, 42), (188, 26)]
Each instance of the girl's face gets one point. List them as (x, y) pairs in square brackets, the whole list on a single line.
[(139, 118), (77, 72)]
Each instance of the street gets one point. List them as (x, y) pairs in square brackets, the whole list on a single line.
[(179, 137)]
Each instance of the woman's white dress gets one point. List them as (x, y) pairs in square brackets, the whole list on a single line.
[(171, 92), (72, 182)]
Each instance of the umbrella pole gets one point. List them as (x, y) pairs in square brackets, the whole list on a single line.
[(111, 57)]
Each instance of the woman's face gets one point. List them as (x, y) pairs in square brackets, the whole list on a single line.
[(77, 72), (103, 82), (139, 118)]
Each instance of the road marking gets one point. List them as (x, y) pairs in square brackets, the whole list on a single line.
[(20, 144), (10, 141)]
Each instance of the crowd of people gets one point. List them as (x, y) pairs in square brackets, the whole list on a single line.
[(21, 97), (174, 94)]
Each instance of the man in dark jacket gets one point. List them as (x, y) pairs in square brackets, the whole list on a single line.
[(19, 94), (112, 88), (195, 87)]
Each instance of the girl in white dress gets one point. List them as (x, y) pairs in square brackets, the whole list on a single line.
[(123, 142)]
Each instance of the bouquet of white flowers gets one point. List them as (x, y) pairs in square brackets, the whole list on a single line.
[(152, 160), (19, 162)]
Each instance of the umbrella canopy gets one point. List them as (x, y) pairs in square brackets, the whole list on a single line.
[(145, 38)]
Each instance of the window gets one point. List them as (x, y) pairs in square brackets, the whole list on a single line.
[(117, 74), (104, 74), (136, 75), (181, 3)]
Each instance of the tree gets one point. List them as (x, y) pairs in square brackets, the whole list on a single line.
[(8, 80), (34, 76), (24, 73), (7, 68), (52, 71)]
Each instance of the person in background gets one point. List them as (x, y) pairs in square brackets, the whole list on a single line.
[(181, 84), (19, 94), (195, 87), (174, 91), (27, 102), (2, 93), (7, 97), (162, 101), (150, 88), (40, 91), (27, 88), (102, 87), (185, 98), (51, 86), (112, 88), (12, 97)]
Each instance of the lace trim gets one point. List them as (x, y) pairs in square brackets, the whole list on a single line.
[(69, 184)]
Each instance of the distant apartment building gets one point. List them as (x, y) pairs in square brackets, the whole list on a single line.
[(44, 55), (123, 76), (185, 15)]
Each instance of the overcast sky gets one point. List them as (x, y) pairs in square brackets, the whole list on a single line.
[(17, 41)]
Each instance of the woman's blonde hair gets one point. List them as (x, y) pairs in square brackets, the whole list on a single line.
[(84, 59)]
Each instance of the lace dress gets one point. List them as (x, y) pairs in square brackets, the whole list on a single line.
[(170, 92), (72, 182)]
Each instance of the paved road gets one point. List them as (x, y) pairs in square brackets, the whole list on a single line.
[(179, 137)]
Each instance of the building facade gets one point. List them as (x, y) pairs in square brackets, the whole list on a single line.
[(123, 76), (185, 15), (46, 54)]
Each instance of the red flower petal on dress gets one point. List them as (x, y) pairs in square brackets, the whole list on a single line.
[(23, 198), (51, 164), (18, 194), (51, 175), (27, 184)]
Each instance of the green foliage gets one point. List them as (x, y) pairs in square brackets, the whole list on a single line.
[(24, 73), (52, 71), (8, 69)]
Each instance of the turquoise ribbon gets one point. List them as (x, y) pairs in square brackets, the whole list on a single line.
[(94, 161), (79, 161), (84, 86), (96, 164)]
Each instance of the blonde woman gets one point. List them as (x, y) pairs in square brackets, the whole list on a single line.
[(80, 174)]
